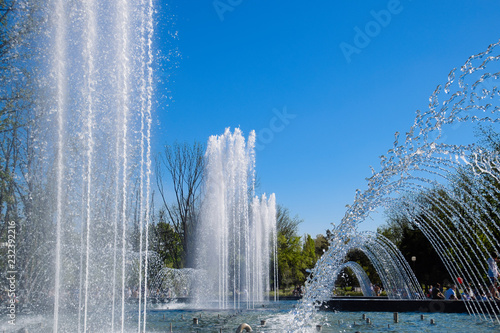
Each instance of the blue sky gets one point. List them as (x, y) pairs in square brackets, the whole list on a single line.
[(324, 84)]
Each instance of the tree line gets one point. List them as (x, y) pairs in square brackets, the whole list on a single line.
[(467, 209)]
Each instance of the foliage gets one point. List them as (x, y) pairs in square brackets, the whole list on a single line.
[(166, 242), (286, 225), (290, 264), (412, 242), (309, 252), (296, 255), (320, 245)]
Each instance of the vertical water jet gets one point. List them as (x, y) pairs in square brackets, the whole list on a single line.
[(236, 232), (98, 159)]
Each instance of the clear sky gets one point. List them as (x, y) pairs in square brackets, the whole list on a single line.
[(325, 84)]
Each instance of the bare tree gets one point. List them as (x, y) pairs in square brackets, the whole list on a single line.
[(16, 29), (22, 190), (185, 164)]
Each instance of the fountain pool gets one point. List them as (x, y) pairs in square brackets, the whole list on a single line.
[(277, 318), (93, 150)]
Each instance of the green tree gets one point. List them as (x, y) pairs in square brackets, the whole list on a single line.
[(296, 255), (309, 252), (408, 236), (290, 265), (166, 242), (320, 245)]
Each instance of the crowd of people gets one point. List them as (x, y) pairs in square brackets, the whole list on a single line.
[(468, 291), (465, 292)]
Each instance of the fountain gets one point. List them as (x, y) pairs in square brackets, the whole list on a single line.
[(236, 234), (91, 140), (449, 191), (359, 272), (92, 143), (90, 180), (395, 273), (170, 283)]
